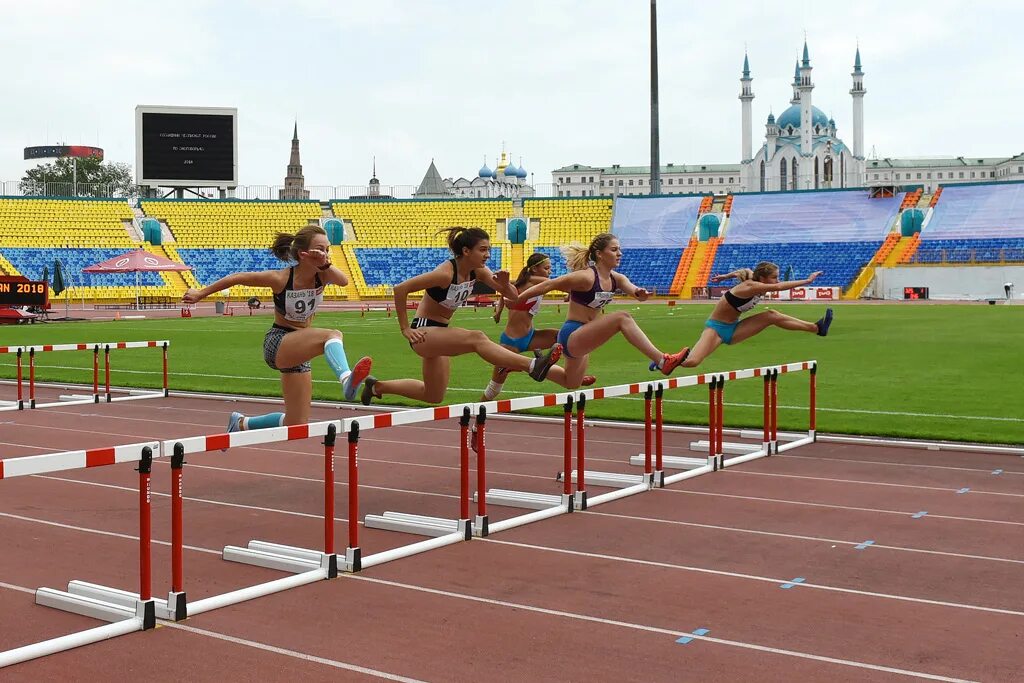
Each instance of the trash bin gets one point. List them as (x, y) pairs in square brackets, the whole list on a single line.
[(219, 307)]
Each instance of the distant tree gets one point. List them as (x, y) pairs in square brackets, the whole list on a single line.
[(95, 179)]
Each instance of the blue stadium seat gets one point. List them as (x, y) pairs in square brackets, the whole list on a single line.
[(30, 263), (391, 265)]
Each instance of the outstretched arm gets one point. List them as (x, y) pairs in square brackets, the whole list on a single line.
[(629, 289), (736, 273), (263, 278), (565, 283), (761, 287)]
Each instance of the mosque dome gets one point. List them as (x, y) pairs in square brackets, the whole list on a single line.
[(791, 117)]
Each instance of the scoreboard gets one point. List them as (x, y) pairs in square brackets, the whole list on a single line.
[(24, 293), (915, 292)]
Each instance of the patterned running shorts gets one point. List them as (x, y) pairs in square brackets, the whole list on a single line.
[(271, 342)]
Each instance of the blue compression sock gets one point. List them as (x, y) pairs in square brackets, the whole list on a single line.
[(264, 421), (334, 352)]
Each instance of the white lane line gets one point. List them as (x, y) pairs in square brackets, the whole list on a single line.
[(834, 541), (376, 673), (869, 483), (902, 513), (100, 532), (754, 577), (653, 629), (983, 470), (20, 589)]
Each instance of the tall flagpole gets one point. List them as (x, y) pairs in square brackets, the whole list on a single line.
[(655, 143)]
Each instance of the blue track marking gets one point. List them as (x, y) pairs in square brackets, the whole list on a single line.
[(919, 515), (863, 545), (963, 490), (997, 471), (699, 632), (794, 582)]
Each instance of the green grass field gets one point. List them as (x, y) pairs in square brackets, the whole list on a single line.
[(929, 371)]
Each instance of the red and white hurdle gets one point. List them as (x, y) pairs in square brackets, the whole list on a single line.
[(31, 351), (128, 611)]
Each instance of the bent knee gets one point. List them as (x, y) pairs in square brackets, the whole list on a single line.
[(334, 334), (623, 316), (433, 396), (478, 337)]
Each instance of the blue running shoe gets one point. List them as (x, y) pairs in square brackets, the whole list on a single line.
[(824, 323), (359, 373), (234, 425)]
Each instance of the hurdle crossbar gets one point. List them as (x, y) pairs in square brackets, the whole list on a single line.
[(309, 565), (129, 612)]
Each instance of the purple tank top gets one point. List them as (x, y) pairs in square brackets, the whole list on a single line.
[(595, 297)]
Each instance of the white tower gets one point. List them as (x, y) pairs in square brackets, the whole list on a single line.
[(858, 91), (806, 121), (796, 84), (746, 97)]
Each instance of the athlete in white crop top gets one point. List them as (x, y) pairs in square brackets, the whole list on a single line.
[(725, 327), (291, 343), (446, 288)]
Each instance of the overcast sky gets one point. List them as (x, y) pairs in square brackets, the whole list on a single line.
[(557, 81)]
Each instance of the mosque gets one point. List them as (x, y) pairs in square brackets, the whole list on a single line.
[(802, 150)]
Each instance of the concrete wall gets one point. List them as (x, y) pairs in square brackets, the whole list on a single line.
[(948, 282)]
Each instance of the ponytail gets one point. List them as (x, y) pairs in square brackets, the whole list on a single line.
[(578, 257), (460, 238), (286, 246), (535, 260)]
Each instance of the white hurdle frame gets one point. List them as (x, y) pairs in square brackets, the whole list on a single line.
[(128, 611), (95, 347)]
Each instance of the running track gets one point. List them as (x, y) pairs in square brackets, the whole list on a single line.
[(601, 595)]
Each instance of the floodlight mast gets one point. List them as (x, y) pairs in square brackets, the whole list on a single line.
[(655, 142)]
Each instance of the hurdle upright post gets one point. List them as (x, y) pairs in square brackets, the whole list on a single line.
[(480, 526), (812, 418), (567, 453), (581, 450), (31, 378), (648, 396), (96, 373), (329, 441), (21, 402), (465, 524), (106, 369), (176, 601), (145, 470), (766, 437), (353, 555), (712, 421), (659, 469), (775, 411), (166, 392), (720, 422)]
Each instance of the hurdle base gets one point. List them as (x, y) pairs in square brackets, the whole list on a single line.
[(353, 560), (579, 500), (727, 447), (115, 606), (521, 499), (176, 607), (284, 558), (610, 479), (418, 524), (481, 527), (672, 462)]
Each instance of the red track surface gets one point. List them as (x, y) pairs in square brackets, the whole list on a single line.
[(601, 595)]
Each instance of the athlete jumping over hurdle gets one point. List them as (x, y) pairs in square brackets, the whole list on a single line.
[(590, 290), (446, 288), (290, 344), (519, 334), (724, 325)]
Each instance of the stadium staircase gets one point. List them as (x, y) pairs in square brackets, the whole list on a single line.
[(683, 269), (7, 268), (517, 260), (904, 251), (700, 267), (340, 259), (867, 273)]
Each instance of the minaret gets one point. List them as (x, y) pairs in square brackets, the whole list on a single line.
[(373, 188), (806, 120), (293, 180), (772, 136), (858, 91), (746, 97), (796, 84)]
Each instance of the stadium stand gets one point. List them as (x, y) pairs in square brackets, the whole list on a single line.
[(653, 232), (834, 231), (77, 232), (982, 223), (563, 221)]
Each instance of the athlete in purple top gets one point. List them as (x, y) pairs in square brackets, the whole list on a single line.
[(590, 289)]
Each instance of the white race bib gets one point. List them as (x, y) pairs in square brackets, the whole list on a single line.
[(458, 294), (300, 304)]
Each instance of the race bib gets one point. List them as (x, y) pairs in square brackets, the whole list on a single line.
[(300, 304)]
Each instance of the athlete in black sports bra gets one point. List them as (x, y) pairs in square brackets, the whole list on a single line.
[(291, 343), (447, 287), (724, 325)]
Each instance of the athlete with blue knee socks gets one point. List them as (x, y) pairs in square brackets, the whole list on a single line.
[(291, 343), (724, 325)]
